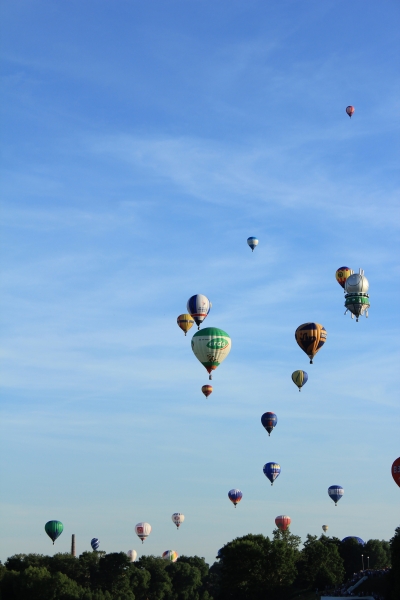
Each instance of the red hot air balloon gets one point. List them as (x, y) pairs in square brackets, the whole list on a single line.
[(282, 522), (396, 471), (350, 111)]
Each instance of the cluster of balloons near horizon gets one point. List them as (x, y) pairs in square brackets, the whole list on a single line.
[(356, 287)]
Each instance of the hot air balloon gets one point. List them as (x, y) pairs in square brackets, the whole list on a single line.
[(269, 421), (178, 519), (353, 537), (299, 378), (311, 337), (207, 390), (271, 471), (185, 322), (54, 529), (198, 306), (95, 543), (252, 242), (143, 530), (235, 496), (396, 471), (132, 555), (335, 492), (211, 346), (356, 298), (282, 522), (342, 274), (325, 528), (350, 110), (170, 555)]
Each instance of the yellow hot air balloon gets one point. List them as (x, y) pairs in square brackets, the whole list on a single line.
[(325, 528), (311, 337), (185, 322)]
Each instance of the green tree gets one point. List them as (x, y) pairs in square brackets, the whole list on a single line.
[(34, 584), (320, 564), (376, 551), (139, 581), (395, 572), (114, 575), (160, 585), (186, 581), (20, 562), (255, 568)]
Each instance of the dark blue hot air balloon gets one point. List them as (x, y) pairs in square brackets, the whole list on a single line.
[(269, 421), (271, 471), (95, 543), (354, 537), (335, 492)]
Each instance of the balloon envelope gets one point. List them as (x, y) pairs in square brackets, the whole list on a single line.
[(198, 306), (311, 337), (132, 555), (335, 492), (185, 322), (170, 555), (235, 496), (211, 346), (299, 378), (143, 530), (353, 537), (342, 274), (396, 471), (325, 528), (269, 421), (350, 110), (178, 519), (271, 471), (207, 390), (252, 242), (54, 529), (95, 543), (282, 522)]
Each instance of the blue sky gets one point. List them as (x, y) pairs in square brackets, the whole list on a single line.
[(142, 144)]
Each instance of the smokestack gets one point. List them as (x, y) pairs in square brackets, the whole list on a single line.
[(73, 551)]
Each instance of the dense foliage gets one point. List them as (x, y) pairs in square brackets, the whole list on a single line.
[(252, 567)]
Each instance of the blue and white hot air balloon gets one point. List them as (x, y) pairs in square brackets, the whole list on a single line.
[(95, 543), (198, 306), (335, 492), (252, 242), (271, 471)]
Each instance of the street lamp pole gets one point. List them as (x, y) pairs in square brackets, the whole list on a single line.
[(368, 561), (362, 558)]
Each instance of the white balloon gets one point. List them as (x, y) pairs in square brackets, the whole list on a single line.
[(143, 530), (178, 519), (132, 555)]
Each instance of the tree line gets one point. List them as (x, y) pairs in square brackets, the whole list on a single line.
[(253, 567)]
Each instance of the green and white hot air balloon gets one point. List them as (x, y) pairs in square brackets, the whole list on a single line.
[(211, 346)]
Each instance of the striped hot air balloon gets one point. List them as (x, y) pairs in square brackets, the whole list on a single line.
[(198, 306), (282, 522), (252, 242), (299, 378), (95, 543), (54, 529), (170, 555), (185, 322), (207, 390), (311, 337), (350, 110)]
